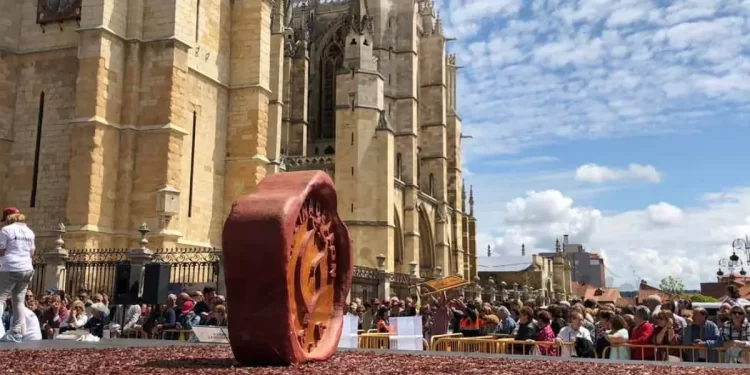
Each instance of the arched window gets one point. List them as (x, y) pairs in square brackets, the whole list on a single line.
[(431, 185), (397, 171), (332, 59)]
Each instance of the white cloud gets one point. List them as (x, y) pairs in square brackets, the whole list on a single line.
[(687, 243), (634, 172), (664, 214), (535, 219), (590, 69)]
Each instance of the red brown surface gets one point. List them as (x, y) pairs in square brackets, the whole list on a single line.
[(288, 268), (197, 360)]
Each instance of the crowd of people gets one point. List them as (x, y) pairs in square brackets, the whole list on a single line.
[(56, 313), (653, 330), (583, 328)]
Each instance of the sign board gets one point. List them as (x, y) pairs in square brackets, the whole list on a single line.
[(407, 333), (441, 285), (214, 335)]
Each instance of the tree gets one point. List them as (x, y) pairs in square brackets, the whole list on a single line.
[(671, 286), (701, 298)]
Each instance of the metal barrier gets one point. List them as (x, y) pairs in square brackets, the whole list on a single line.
[(498, 344), (676, 353), (443, 348), (374, 341)]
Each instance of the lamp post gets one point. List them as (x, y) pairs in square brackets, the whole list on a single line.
[(733, 262), (742, 245)]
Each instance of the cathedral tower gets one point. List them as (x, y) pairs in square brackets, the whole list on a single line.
[(364, 144)]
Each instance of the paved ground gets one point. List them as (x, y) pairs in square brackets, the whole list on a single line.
[(137, 343)]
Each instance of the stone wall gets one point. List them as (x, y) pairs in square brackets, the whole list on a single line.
[(210, 103), (53, 73)]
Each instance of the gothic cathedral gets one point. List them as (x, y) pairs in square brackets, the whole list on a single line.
[(164, 112)]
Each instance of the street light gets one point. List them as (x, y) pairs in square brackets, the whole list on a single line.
[(734, 262), (742, 244)]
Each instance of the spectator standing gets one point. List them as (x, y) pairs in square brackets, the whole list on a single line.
[(704, 336), (17, 246), (507, 324), (736, 335), (572, 333), (641, 334)]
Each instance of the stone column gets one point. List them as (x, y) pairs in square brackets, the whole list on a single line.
[(384, 284), (247, 132), (492, 288), (414, 279), (54, 269), (276, 99), (8, 82), (299, 76), (141, 256)]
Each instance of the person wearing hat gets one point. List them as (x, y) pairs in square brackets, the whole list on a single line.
[(16, 268)]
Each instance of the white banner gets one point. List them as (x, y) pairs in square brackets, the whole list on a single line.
[(349, 338)]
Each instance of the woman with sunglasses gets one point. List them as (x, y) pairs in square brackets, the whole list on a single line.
[(736, 335)]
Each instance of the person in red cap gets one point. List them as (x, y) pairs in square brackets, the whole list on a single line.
[(17, 246)]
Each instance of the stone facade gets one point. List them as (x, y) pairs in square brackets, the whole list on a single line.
[(165, 111), (546, 278)]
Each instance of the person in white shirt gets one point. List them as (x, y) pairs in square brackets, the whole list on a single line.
[(33, 329), (17, 245), (570, 333), (132, 316)]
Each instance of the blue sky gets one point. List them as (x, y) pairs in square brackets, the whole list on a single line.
[(622, 123)]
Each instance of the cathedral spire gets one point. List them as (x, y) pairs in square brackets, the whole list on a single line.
[(471, 200), (438, 25), (463, 195), (360, 19)]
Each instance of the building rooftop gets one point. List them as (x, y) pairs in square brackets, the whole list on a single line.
[(507, 263)]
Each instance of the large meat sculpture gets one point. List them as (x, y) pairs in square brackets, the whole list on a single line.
[(288, 266)]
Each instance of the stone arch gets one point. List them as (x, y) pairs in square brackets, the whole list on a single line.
[(398, 241), (426, 242)]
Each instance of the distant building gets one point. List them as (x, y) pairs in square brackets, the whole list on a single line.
[(719, 289), (645, 291), (549, 276), (587, 268), (598, 294)]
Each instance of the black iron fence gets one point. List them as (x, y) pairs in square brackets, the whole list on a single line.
[(193, 267), (365, 283), (37, 282), (95, 269), (401, 286)]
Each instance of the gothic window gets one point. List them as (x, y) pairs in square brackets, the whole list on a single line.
[(431, 185), (419, 164), (398, 165), (331, 61)]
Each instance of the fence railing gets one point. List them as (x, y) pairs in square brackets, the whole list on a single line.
[(96, 269), (93, 269), (37, 282), (500, 344)]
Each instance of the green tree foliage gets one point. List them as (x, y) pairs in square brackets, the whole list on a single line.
[(701, 298), (671, 286)]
